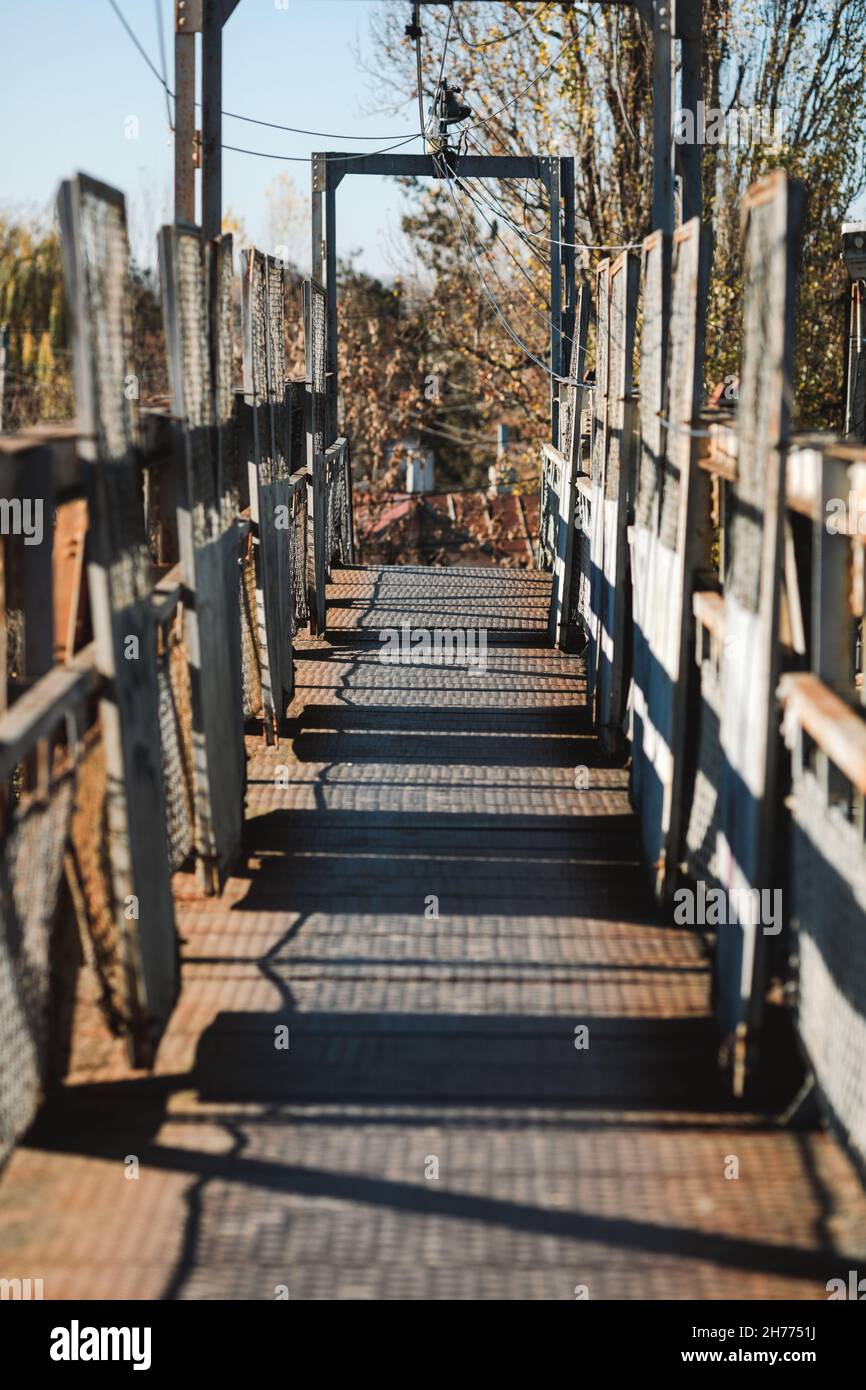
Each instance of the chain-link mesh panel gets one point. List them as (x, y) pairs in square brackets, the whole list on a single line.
[(761, 325), (299, 561), (652, 351), (828, 881), (579, 591), (276, 366), (229, 459), (175, 731), (195, 388), (258, 309), (30, 870), (599, 397), (104, 252), (250, 654), (704, 811), (545, 550), (680, 404), (337, 516), (619, 373)]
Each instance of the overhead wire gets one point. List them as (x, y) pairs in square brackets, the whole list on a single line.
[(418, 70), (252, 120), (444, 55), (488, 43), (538, 312), (444, 173), (525, 231), (161, 34), (329, 159)]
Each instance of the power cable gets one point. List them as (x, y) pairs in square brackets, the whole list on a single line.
[(554, 241), (444, 55), (538, 312), (488, 43), (234, 115), (498, 211), (418, 67), (158, 7), (329, 159), (487, 290)]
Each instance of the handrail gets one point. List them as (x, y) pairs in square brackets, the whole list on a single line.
[(709, 610), (551, 453), (802, 465), (67, 465), (837, 729), (167, 594), (35, 713)]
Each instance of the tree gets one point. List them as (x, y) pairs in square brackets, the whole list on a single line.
[(800, 61), (32, 309)]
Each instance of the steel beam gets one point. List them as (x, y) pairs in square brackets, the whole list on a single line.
[(689, 30), (555, 297), (187, 20), (331, 372), (470, 166), (212, 100), (663, 174)]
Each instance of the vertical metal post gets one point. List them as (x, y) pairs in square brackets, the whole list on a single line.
[(663, 180), (832, 642), (186, 23), (689, 30), (212, 100), (855, 388), (331, 380), (566, 189), (317, 189), (555, 295)]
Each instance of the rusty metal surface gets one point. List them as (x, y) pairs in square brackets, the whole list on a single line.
[(416, 1037)]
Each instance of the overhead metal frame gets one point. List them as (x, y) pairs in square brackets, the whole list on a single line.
[(556, 173), (669, 20)]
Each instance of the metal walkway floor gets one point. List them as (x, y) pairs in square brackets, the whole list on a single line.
[(431, 907)]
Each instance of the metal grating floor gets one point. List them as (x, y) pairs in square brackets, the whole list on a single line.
[(424, 1044)]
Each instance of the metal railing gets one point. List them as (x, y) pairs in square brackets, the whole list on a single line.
[(745, 565), (125, 687)]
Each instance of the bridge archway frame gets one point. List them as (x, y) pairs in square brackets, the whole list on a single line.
[(555, 172)]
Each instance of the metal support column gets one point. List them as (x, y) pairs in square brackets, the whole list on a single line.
[(317, 190), (332, 380), (663, 174), (187, 23), (566, 189), (555, 295), (212, 100), (689, 30)]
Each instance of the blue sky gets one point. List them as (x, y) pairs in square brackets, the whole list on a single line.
[(70, 78)]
